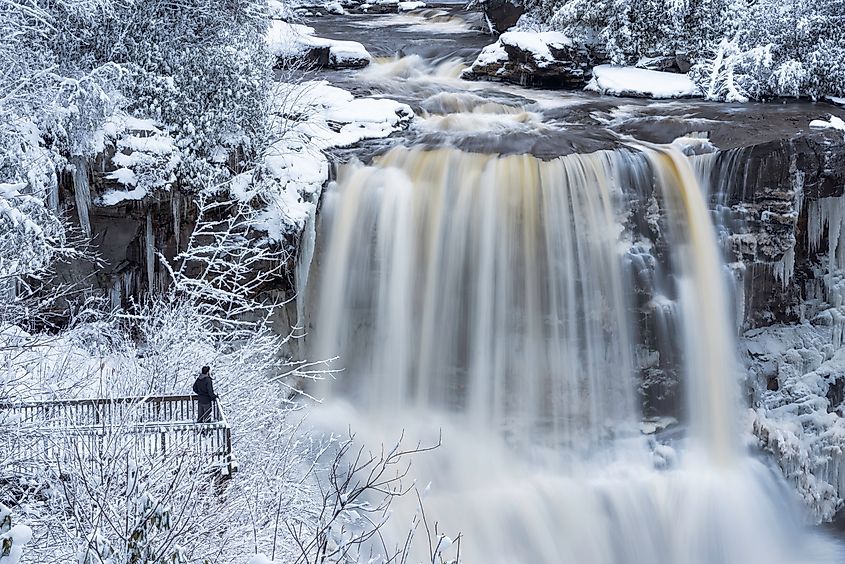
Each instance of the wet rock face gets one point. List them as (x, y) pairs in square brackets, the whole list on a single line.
[(502, 14), (770, 190)]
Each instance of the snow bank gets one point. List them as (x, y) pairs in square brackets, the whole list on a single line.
[(641, 83), (297, 42), (833, 123), (295, 168), (835, 100)]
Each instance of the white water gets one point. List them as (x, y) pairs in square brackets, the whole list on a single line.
[(711, 366), (484, 286), (485, 296)]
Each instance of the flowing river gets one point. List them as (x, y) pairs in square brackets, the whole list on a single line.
[(482, 279)]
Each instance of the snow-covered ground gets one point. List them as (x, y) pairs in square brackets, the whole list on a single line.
[(295, 167), (295, 41), (641, 83)]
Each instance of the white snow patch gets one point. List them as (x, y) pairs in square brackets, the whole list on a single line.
[(294, 168), (835, 100), (408, 6), (124, 176), (260, 559), (492, 54), (641, 83), (114, 197), (289, 41), (833, 123), (537, 43)]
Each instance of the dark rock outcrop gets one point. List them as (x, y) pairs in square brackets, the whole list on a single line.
[(501, 15), (546, 60)]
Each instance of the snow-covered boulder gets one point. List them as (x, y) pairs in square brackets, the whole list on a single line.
[(294, 44), (335, 8), (410, 6), (641, 83), (548, 59), (833, 123)]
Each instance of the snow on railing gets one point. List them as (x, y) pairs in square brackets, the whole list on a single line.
[(86, 430)]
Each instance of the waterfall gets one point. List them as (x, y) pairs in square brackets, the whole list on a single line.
[(82, 192), (487, 286), (711, 365), (488, 297), (149, 251)]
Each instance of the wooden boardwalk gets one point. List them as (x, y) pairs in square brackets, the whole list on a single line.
[(74, 433)]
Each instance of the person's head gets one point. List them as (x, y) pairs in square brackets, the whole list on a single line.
[(205, 370)]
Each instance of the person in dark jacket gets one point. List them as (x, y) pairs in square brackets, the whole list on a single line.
[(204, 389)]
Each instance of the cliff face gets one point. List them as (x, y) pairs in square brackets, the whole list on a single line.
[(128, 231)]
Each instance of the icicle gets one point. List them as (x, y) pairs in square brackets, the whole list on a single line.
[(798, 189), (53, 194), (176, 210), (114, 293), (784, 269), (834, 210), (81, 192), (149, 242)]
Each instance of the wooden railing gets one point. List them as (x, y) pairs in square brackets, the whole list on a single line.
[(88, 431)]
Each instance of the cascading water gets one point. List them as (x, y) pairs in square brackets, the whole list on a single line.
[(484, 286), (488, 296), (709, 345)]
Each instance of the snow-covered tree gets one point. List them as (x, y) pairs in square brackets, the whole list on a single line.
[(740, 50)]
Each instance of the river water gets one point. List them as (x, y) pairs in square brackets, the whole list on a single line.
[(476, 281)]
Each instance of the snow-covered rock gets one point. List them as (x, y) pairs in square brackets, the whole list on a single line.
[(799, 417), (548, 59), (641, 83), (335, 8), (833, 123), (295, 168), (410, 6), (297, 44)]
